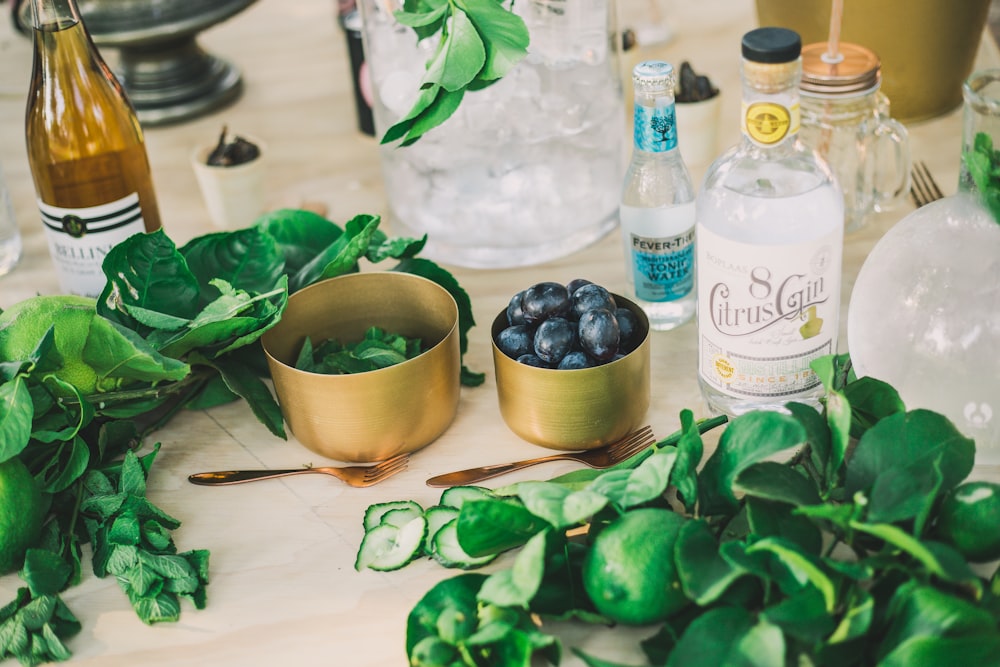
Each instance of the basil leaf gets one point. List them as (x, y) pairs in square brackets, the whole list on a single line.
[(16, 413), (300, 235), (247, 259), (459, 57)]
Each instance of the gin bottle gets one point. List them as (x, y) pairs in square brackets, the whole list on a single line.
[(769, 245), (85, 149), (657, 211)]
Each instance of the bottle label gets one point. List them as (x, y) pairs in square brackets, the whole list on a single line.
[(767, 123), (80, 238), (765, 312), (655, 128), (660, 250)]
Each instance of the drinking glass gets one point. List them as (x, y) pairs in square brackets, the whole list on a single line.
[(981, 113)]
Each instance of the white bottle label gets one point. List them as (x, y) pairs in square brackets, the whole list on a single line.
[(660, 250), (765, 312), (80, 238)]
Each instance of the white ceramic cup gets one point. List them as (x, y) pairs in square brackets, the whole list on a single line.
[(233, 195), (698, 130)]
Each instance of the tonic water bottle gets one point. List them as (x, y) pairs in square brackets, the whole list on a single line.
[(657, 211), (769, 236), (85, 149)]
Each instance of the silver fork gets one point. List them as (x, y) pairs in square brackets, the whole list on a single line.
[(602, 457), (352, 475), (924, 188)]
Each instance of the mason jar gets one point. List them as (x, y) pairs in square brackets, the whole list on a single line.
[(527, 169), (845, 118)]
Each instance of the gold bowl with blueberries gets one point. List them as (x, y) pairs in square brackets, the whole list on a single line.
[(572, 365)]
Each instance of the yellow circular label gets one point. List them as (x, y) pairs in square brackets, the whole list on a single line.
[(723, 367), (767, 122)]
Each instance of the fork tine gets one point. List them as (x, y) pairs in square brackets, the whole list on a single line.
[(388, 467), (630, 439), (626, 448), (931, 183), (924, 188)]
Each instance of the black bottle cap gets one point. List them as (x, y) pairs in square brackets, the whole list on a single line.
[(772, 45)]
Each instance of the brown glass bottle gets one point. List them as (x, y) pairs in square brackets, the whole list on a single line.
[(85, 149)]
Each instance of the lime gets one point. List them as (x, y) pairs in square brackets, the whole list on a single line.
[(23, 325), (22, 510), (629, 572), (969, 520)]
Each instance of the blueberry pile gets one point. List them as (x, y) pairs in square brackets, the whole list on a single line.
[(577, 325)]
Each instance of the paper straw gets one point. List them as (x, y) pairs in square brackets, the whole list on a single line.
[(832, 54)]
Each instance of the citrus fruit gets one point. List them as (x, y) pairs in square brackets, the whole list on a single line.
[(969, 520), (22, 509), (23, 325), (629, 571)]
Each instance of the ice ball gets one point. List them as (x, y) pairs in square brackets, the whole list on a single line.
[(924, 316)]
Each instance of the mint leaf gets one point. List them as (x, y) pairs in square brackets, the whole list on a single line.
[(459, 57), (504, 35)]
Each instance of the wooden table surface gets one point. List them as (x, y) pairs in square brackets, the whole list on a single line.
[(283, 587)]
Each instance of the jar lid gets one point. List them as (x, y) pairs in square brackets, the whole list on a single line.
[(771, 45), (855, 70), (654, 75)]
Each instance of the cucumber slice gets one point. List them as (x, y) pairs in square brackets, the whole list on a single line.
[(455, 496), (400, 516), (449, 552), (374, 513), (386, 547), (437, 516)]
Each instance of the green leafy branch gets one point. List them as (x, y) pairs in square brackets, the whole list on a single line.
[(837, 556), (983, 163), (480, 42)]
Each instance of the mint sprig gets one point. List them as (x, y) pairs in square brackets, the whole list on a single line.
[(480, 43), (983, 163)]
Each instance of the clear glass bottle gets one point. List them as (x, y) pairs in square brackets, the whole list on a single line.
[(85, 149), (10, 236), (657, 211), (770, 236)]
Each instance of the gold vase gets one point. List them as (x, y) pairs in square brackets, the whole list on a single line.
[(927, 47)]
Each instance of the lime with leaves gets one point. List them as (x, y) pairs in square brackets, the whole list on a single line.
[(629, 572), (969, 520), (22, 510)]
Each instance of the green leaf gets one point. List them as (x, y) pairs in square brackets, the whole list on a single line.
[(780, 520), (341, 256), (300, 235), (58, 465), (247, 259), (397, 248), (244, 383), (778, 482), (147, 271), (628, 488), (45, 572), (133, 477), (703, 573), (558, 505), (802, 616), (403, 126), (441, 108), (838, 416), (117, 353), (729, 636), (932, 651), (919, 610), (517, 586), (16, 413), (459, 57), (749, 438), (898, 540), (458, 593), (684, 474), (857, 620), (492, 526), (871, 401), (905, 492), (804, 568), (504, 35), (910, 440)]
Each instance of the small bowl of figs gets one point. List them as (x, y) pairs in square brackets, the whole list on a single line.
[(572, 364)]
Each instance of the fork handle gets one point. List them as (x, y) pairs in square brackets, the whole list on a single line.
[(471, 475), (221, 477)]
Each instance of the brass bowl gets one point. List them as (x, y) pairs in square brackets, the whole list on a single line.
[(368, 416), (574, 409)]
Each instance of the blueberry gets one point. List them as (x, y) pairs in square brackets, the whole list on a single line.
[(575, 284), (576, 360), (554, 339), (629, 329), (544, 300), (531, 360), (598, 332), (515, 341), (514, 313), (590, 297)]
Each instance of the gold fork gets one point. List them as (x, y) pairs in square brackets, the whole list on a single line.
[(924, 188), (602, 457), (352, 475)]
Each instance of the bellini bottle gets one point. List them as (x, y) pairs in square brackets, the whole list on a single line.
[(85, 149), (770, 239), (657, 211)]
